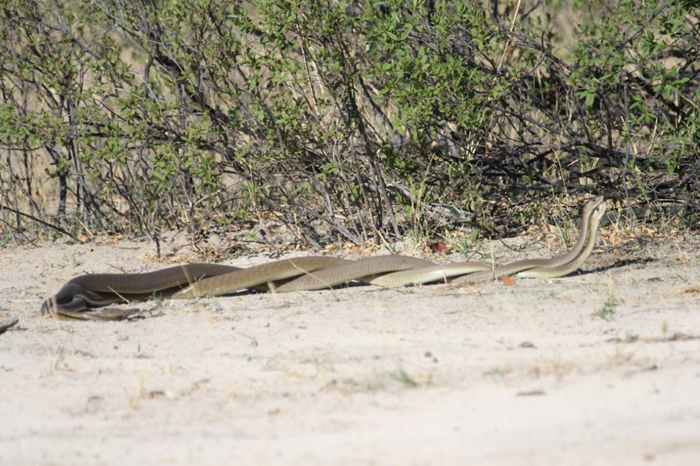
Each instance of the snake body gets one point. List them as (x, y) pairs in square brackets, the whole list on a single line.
[(557, 266), (474, 272), (76, 297), (357, 270), (103, 289), (561, 269), (260, 274)]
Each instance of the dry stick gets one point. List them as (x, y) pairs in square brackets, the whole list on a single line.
[(627, 198), (512, 26), (194, 205), (374, 165), (31, 217)]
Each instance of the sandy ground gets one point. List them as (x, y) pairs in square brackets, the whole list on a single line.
[(494, 375)]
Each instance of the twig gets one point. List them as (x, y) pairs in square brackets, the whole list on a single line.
[(31, 217)]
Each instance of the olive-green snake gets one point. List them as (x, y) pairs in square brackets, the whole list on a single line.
[(79, 295)]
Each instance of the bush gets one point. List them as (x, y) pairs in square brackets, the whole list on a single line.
[(350, 119)]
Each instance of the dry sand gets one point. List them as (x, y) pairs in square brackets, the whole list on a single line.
[(488, 375)]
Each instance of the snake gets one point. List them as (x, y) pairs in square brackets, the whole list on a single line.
[(557, 266), (78, 298), (474, 272)]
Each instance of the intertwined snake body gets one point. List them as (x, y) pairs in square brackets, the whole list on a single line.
[(75, 299)]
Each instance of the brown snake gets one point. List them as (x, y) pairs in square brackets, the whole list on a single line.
[(79, 295)]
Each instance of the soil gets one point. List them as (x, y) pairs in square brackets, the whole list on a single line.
[(602, 367)]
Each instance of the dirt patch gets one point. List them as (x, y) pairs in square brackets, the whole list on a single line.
[(601, 367)]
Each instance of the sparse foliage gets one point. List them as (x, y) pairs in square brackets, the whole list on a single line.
[(345, 119)]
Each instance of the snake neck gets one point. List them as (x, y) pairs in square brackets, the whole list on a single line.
[(589, 209)]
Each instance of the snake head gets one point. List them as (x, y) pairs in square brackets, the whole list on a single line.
[(598, 206), (592, 204)]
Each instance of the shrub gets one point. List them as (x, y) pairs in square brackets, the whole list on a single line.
[(350, 119)]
